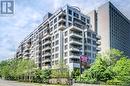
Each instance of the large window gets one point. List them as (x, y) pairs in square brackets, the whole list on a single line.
[(53, 56), (83, 18), (66, 33), (56, 49), (66, 47), (55, 26), (70, 24), (51, 23), (56, 55), (94, 42), (89, 34), (89, 41), (55, 20), (57, 42), (89, 47), (53, 50), (88, 21), (66, 40), (70, 11), (70, 18), (57, 35), (66, 54), (76, 15), (94, 35)]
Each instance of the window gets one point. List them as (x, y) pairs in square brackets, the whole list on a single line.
[(70, 11), (87, 27), (56, 55), (88, 21), (51, 23), (57, 48), (52, 37), (57, 42), (94, 35), (57, 35), (52, 62), (65, 61), (88, 34), (66, 54), (55, 26), (66, 47), (70, 24), (53, 56), (89, 54), (55, 20), (89, 47), (89, 41), (66, 33), (83, 19), (76, 15), (56, 62), (51, 29), (53, 44), (70, 18), (53, 50), (94, 49), (94, 42), (66, 40)]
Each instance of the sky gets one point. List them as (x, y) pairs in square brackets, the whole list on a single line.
[(29, 14)]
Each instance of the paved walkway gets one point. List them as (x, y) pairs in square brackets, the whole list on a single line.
[(16, 83), (77, 84)]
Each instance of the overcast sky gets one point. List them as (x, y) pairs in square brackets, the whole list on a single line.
[(29, 14)]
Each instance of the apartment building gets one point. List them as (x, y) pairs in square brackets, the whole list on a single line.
[(112, 26), (64, 35)]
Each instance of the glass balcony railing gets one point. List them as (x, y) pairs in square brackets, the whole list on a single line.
[(75, 34), (75, 40)]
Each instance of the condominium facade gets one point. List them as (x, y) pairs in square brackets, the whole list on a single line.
[(112, 26), (64, 35)]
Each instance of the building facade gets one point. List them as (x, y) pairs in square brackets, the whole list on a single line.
[(113, 27), (64, 35)]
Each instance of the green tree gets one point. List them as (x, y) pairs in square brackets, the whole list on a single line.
[(60, 71), (14, 69), (75, 73), (122, 72), (101, 70)]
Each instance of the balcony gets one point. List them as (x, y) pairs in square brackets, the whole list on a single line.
[(98, 49), (74, 28), (46, 54), (74, 41), (61, 27), (47, 48), (26, 50), (62, 13), (47, 60), (61, 20), (47, 36), (74, 34), (74, 49), (98, 37), (47, 42), (98, 42), (74, 55), (28, 45), (46, 67), (26, 54)]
